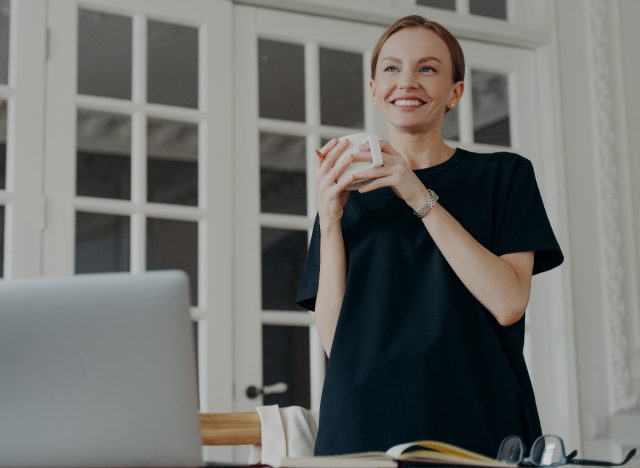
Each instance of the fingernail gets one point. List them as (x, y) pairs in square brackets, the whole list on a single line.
[(320, 155)]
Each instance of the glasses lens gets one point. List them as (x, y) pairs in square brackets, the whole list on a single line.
[(510, 450), (547, 450)]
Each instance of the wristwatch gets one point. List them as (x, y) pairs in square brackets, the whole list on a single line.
[(431, 202)]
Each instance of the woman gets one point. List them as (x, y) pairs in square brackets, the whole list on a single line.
[(420, 279)]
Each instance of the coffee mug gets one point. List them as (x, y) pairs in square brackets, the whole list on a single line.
[(355, 141)]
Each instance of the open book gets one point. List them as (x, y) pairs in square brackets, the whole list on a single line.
[(424, 452)]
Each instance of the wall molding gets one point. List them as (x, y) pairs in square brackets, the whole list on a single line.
[(608, 182)]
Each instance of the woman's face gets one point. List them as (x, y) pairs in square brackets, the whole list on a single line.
[(413, 82)]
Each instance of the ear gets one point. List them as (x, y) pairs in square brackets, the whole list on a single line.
[(458, 91), (372, 88)]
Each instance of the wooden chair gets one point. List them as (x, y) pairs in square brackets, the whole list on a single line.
[(231, 428)]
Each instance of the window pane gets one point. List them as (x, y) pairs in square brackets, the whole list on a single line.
[(3, 144), (104, 155), (341, 88), (281, 80), (172, 166), (172, 74), (444, 4), (285, 358), (283, 180), (174, 245), (490, 95), (492, 8), (104, 54), (1, 241), (450, 126), (102, 243), (283, 255), (5, 19)]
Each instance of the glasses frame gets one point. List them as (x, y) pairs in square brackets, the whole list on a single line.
[(565, 459), (527, 461)]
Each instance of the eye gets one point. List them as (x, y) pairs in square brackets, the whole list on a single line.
[(390, 67), (425, 67)]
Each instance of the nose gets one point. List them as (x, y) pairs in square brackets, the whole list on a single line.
[(407, 80)]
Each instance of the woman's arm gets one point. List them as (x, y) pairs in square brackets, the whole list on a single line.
[(331, 283), (332, 198), (502, 284)]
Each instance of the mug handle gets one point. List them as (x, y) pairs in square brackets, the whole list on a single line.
[(374, 144)]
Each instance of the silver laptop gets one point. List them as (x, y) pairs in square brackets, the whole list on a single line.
[(98, 370)]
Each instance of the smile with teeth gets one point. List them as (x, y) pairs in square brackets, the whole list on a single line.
[(408, 102)]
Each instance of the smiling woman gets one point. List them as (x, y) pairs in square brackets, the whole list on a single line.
[(420, 279)]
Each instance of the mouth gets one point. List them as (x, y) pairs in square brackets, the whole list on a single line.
[(408, 103)]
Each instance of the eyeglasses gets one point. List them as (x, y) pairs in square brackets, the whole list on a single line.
[(547, 450)]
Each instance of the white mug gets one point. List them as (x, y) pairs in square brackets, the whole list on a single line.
[(355, 141)]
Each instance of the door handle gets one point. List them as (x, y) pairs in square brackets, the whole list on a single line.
[(254, 392)]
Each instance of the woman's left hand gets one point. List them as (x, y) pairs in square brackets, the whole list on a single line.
[(395, 174)]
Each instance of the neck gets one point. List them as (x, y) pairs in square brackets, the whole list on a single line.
[(420, 149)]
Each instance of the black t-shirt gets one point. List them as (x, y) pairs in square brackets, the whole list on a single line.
[(415, 355)]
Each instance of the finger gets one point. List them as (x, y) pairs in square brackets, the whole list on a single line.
[(375, 184), (365, 147), (343, 184), (374, 173), (328, 146), (340, 167), (322, 152), (362, 156), (386, 147), (333, 155), (366, 156)]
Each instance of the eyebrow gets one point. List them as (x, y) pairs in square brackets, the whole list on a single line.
[(423, 59)]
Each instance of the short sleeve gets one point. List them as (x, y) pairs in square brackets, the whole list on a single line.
[(523, 223), (308, 284)]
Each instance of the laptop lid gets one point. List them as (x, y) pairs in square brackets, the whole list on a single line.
[(98, 370)]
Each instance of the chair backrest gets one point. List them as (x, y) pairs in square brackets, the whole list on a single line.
[(231, 428)]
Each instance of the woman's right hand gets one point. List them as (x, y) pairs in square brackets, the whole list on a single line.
[(332, 196)]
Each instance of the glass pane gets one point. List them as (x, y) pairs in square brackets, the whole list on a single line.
[(102, 243), (341, 88), (450, 127), (283, 255), (281, 80), (285, 358), (490, 94), (172, 74), (172, 167), (444, 4), (1, 241), (103, 155), (3, 144), (5, 18), (283, 180), (104, 54), (492, 8), (173, 245)]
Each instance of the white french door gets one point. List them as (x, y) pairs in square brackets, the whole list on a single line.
[(302, 80), (22, 66), (138, 155)]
